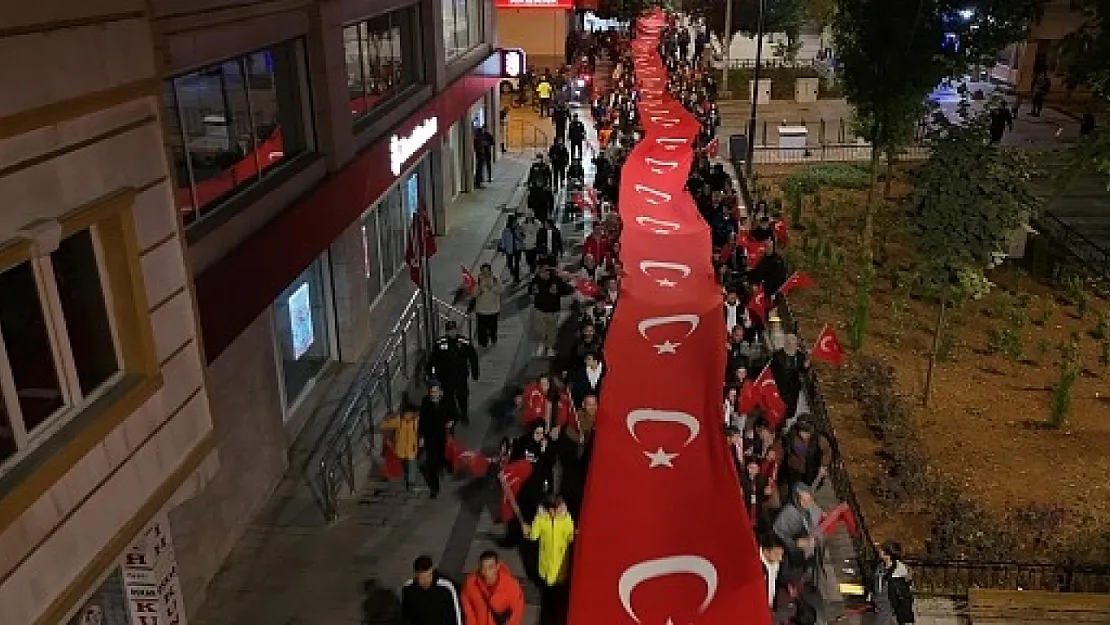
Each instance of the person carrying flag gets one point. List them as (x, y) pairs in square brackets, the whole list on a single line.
[(453, 362)]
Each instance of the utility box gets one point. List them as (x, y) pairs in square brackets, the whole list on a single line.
[(764, 90), (806, 89), (792, 142)]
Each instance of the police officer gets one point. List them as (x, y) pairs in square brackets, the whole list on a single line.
[(453, 362)]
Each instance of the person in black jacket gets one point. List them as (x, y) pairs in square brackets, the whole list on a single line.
[(560, 159), (587, 379), (577, 134), (549, 243), (437, 417), (453, 362), (559, 119), (892, 593), (429, 598)]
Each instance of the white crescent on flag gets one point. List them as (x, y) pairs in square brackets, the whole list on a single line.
[(636, 417), (648, 570), (647, 265), (660, 227), (655, 164), (655, 196), (654, 322)]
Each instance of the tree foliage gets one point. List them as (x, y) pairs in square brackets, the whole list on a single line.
[(1086, 52), (624, 10), (969, 197), (780, 16)]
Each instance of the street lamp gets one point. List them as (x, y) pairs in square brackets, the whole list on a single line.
[(755, 89)]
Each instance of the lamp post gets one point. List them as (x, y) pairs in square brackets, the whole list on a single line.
[(749, 165), (726, 44)]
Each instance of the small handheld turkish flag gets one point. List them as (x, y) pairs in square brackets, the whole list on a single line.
[(472, 463), (759, 304), (839, 514), (774, 408), (391, 464), (827, 348), (713, 148), (797, 280), (587, 288), (781, 230), (512, 477), (749, 398), (469, 282)]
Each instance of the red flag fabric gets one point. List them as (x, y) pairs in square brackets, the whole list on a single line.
[(425, 229), (469, 282), (587, 288), (421, 241), (774, 408), (535, 403), (827, 348), (840, 514), (782, 232), (759, 304), (473, 463), (797, 280), (749, 398), (512, 476), (713, 148), (658, 445), (392, 468), (755, 250), (451, 452)]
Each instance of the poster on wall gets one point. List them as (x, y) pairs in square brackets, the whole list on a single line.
[(412, 195), (107, 606), (150, 575), (300, 320)]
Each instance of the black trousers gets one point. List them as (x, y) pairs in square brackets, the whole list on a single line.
[(512, 261), (433, 463), (554, 603), (559, 176), (458, 391), (530, 258), (487, 329)]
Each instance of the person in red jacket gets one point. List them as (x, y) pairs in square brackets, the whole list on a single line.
[(536, 401), (598, 245), (491, 595)]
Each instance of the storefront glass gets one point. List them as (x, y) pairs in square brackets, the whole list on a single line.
[(302, 324), (385, 229), (383, 59), (234, 123), (107, 606)]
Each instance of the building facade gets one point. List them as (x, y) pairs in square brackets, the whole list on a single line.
[(1020, 62), (227, 187)]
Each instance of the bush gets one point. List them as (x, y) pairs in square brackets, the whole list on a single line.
[(1104, 354), (1102, 327), (812, 178), (1060, 404), (1005, 341), (861, 313)]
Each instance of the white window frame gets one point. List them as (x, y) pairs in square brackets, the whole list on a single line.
[(65, 367)]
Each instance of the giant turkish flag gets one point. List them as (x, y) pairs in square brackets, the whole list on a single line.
[(661, 538)]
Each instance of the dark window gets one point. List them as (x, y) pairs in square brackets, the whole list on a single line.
[(38, 390), (81, 295), (233, 123), (383, 59)]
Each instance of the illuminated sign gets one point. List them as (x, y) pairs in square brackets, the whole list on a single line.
[(401, 149), (513, 62), (535, 4)]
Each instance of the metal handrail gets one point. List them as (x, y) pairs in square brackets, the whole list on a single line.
[(331, 463), (446, 312), (1091, 255), (954, 578), (530, 136)]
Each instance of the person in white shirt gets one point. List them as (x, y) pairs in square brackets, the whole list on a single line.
[(771, 555), (735, 313)]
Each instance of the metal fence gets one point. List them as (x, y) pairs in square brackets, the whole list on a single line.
[(350, 432), (854, 152), (773, 63), (953, 578), (524, 136), (1093, 258)]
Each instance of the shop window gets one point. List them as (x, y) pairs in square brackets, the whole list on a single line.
[(383, 60), (107, 606), (385, 229), (74, 324), (233, 124), (462, 26), (302, 327)]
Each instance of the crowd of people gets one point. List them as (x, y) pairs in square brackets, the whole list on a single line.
[(781, 455)]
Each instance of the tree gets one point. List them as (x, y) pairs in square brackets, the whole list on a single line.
[(819, 13), (970, 196), (624, 10), (779, 16), (1086, 54), (893, 53)]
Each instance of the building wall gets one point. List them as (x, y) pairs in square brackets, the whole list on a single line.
[(540, 32), (79, 125), (251, 425)]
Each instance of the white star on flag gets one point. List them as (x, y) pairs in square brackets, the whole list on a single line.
[(665, 283), (660, 458), (667, 347)]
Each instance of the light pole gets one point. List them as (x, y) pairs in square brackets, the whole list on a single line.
[(749, 165), (726, 44)]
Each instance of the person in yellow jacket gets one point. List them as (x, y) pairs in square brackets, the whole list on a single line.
[(406, 443), (553, 529)]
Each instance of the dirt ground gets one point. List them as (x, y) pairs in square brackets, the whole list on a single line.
[(982, 429)]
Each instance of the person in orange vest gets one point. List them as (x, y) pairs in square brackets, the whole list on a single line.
[(491, 595)]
